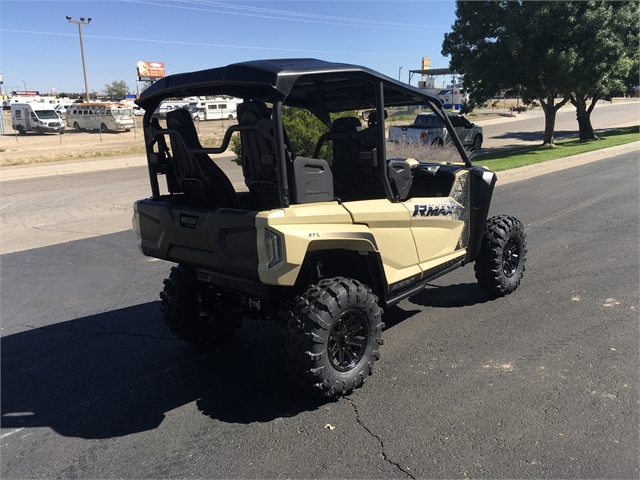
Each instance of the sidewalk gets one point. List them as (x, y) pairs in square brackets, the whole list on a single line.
[(21, 172), (51, 224), (234, 172), (505, 116)]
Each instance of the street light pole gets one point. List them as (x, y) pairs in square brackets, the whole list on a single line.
[(25, 85), (399, 71), (84, 68)]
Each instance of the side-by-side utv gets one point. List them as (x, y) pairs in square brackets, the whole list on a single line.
[(319, 243)]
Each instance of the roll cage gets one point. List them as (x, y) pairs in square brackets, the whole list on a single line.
[(315, 85)]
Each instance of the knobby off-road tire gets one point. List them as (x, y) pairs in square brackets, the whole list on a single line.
[(196, 313), (333, 337), (501, 262)]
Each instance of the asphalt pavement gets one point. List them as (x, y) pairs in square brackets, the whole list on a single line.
[(540, 384)]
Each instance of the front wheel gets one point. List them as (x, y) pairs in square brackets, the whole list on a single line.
[(103, 127), (197, 313), (501, 262), (437, 143), (76, 127), (333, 338)]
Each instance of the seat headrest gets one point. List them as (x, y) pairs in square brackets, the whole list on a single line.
[(346, 124), (252, 112), (181, 119)]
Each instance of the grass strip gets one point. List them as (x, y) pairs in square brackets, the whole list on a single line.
[(522, 156)]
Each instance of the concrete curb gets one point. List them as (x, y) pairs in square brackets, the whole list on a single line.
[(530, 171), (22, 172)]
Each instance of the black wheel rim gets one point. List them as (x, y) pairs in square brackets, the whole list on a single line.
[(511, 257), (348, 340)]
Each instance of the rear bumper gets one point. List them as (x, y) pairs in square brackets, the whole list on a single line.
[(221, 244)]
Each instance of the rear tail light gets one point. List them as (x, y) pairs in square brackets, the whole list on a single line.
[(273, 242)]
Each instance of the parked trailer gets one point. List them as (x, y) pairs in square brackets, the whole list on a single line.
[(216, 109), (106, 117), (35, 117)]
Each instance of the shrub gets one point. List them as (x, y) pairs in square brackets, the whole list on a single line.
[(303, 131), (467, 107)]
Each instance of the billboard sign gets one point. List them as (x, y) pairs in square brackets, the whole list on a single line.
[(149, 71), (426, 63)]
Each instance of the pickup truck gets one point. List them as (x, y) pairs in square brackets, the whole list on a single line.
[(429, 129)]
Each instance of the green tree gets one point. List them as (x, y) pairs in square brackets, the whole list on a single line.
[(303, 131), (542, 50), (116, 90), (600, 49)]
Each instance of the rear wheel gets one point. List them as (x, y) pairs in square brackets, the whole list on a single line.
[(197, 313), (333, 337), (501, 262), (437, 142), (477, 143)]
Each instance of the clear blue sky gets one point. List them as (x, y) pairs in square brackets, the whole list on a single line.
[(41, 49)]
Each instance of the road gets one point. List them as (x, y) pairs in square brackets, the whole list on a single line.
[(528, 128), (56, 202), (540, 384)]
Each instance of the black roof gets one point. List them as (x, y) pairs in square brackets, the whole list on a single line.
[(306, 82)]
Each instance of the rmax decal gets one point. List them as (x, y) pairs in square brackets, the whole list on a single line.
[(433, 210)]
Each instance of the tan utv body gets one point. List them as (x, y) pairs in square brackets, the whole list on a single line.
[(319, 245)]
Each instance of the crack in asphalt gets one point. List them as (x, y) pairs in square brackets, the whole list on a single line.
[(383, 453), (85, 334)]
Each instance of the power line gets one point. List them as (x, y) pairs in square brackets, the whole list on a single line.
[(216, 45), (298, 16)]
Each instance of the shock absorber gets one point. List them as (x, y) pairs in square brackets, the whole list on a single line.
[(319, 268)]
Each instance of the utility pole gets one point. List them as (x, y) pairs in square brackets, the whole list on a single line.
[(84, 68)]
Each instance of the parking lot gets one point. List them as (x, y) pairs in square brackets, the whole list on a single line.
[(540, 384)]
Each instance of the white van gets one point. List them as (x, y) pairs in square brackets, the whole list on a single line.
[(35, 117), (105, 117)]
